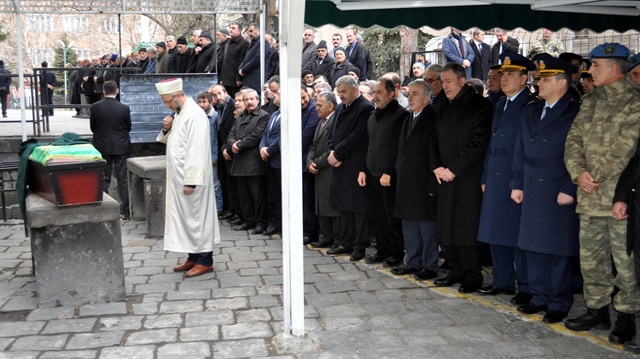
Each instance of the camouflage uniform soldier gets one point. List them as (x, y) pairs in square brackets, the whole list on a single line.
[(599, 145), (547, 44)]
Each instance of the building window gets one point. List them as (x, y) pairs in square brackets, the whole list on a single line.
[(84, 53), (110, 25), (75, 24), (37, 55), (40, 23)]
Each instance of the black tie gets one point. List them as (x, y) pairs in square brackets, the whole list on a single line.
[(507, 105), (546, 112)]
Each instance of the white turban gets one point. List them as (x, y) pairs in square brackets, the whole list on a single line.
[(169, 86)]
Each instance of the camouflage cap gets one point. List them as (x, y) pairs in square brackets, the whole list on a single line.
[(609, 50)]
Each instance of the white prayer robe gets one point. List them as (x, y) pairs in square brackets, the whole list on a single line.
[(191, 222)]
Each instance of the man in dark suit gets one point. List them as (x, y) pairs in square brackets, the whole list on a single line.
[(359, 56), (250, 171), (320, 64), (249, 68), (5, 86), (348, 146), (318, 165), (482, 56), (505, 43), (234, 54), (47, 82), (458, 146), (110, 123), (270, 153), (225, 106), (416, 203)]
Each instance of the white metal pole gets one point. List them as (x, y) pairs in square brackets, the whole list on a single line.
[(263, 70), (291, 25), (23, 113)]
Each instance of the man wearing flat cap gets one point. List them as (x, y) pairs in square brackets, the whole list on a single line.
[(161, 56), (321, 63), (184, 60), (500, 216), (205, 53), (601, 142), (542, 187), (191, 224)]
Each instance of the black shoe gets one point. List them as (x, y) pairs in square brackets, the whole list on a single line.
[(376, 258), (339, 250), (321, 244), (226, 215), (244, 227), (259, 229), (624, 329), (271, 230), (447, 281), (468, 288), (633, 345), (236, 221), (425, 274), (553, 316), (445, 266), (308, 240), (521, 298), (404, 270), (593, 318), (491, 290), (531, 308), (356, 256), (392, 261)]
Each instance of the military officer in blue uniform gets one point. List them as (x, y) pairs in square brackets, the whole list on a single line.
[(542, 186), (500, 216)]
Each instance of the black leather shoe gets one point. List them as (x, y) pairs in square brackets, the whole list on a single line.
[(633, 345), (376, 258), (593, 318), (624, 329), (271, 230), (233, 218), (553, 316), (226, 215), (392, 261), (339, 250), (307, 240), (447, 281), (244, 227), (425, 274), (404, 270), (491, 290), (467, 288), (521, 298), (237, 221), (259, 229), (531, 308), (356, 256), (321, 244)]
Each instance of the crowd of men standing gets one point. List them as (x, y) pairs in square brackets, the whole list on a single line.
[(532, 168)]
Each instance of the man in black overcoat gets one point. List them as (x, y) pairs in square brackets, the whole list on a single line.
[(225, 105), (459, 143), (348, 145), (110, 123), (234, 53)]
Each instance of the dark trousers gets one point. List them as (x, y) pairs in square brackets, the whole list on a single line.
[(421, 242), (230, 187), (3, 100), (355, 230), (465, 264), (222, 176), (47, 99), (509, 264), (551, 280), (204, 258), (309, 219), (387, 228), (252, 192), (330, 228), (274, 184), (636, 242), (232, 90), (120, 163)]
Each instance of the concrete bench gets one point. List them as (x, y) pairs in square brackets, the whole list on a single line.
[(146, 176), (77, 252)]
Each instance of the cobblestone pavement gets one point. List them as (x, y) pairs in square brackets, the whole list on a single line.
[(353, 310)]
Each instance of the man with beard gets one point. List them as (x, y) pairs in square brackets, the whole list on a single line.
[(459, 143), (234, 54), (320, 64), (222, 37), (225, 106), (348, 151), (143, 60)]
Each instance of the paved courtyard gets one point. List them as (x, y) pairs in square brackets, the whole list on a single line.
[(353, 310)]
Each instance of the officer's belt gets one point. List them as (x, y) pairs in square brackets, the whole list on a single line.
[(543, 162), (496, 151)]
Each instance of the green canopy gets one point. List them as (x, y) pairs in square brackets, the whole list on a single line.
[(318, 13)]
